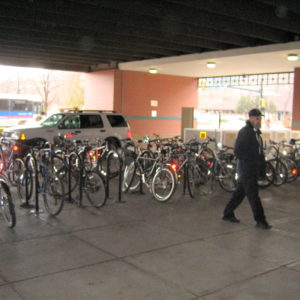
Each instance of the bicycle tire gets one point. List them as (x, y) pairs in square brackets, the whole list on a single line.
[(163, 184), (14, 171), (115, 164), (268, 178), (94, 188), (131, 180), (52, 190), (190, 180), (60, 167), (7, 205), (292, 169), (280, 172), (204, 178), (227, 177)]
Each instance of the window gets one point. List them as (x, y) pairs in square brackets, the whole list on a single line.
[(52, 120), (71, 122), (21, 105), (116, 121), (4, 104), (90, 121)]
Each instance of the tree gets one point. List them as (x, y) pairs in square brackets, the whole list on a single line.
[(46, 85), (246, 103)]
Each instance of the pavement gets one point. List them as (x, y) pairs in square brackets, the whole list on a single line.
[(143, 249)]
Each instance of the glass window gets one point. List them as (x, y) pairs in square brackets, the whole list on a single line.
[(90, 121), (116, 121), (4, 104), (21, 105), (71, 122), (52, 120)]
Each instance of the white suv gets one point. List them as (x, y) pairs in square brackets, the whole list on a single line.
[(74, 124)]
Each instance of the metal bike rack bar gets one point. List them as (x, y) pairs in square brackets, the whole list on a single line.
[(36, 183), (108, 174), (70, 177)]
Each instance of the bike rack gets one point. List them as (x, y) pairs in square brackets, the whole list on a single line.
[(36, 182), (70, 178), (109, 177)]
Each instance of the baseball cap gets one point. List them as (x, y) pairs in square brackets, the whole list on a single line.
[(255, 113)]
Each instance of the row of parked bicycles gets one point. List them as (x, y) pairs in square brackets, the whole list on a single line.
[(75, 171)]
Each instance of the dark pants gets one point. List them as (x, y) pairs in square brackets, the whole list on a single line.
[(246, 186)]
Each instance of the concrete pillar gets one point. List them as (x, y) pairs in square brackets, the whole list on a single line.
[(296, 101)]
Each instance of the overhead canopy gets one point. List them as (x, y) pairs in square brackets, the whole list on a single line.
[(93, 35)]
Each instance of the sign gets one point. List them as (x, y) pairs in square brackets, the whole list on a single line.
[(203, 134)]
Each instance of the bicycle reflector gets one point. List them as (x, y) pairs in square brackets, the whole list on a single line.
[(174, 166), (92, 154), (294, 172), (208, 163)]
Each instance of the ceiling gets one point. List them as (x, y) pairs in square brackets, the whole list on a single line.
[(175, 36)]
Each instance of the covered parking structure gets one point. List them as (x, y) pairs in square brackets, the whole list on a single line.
[(142, 249), (117, 42)]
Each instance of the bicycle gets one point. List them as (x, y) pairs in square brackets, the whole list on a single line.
[(7, 206), (153, 173), (47, 183), (91, 182), (10, 163)]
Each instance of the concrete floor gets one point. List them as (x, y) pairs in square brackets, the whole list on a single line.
[(142, 249)]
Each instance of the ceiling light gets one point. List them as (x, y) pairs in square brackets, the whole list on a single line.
[(292, 57), (211, 64), (153, 70)]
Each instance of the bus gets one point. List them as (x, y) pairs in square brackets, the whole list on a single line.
[(18, 109)]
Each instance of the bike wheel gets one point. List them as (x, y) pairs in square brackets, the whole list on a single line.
[(269, 176), (115, 164), (280, 172), (7, 205), (228, 177), (61, 168), (190, 180), (94, 188), (52, 189), (131, 178), (292, 169), (163, 184), (15, 170)]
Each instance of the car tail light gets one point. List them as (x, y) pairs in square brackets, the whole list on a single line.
[(68, 135), (129, 134)]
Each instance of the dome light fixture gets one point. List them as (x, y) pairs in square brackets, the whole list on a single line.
[(153, 70), (211, 64), (292, 57)]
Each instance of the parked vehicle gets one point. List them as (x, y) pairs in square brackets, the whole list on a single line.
[(78, 124)]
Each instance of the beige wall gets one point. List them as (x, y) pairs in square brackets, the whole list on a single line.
[(99, 90)]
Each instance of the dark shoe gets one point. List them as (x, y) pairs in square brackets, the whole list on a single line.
[(232, 219), (263, 225)]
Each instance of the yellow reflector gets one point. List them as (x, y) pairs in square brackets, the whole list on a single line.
[(202, 134), (22, 136)]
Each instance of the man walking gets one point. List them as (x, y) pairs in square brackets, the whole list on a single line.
[(250, 166)]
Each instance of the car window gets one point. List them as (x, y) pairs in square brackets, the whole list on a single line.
[(52, 120), (116, 121), (91, 121), (71, 122)]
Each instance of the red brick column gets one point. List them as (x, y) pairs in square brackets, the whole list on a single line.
[(296, 101)]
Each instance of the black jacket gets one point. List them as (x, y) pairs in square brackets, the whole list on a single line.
[(247, 150)]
